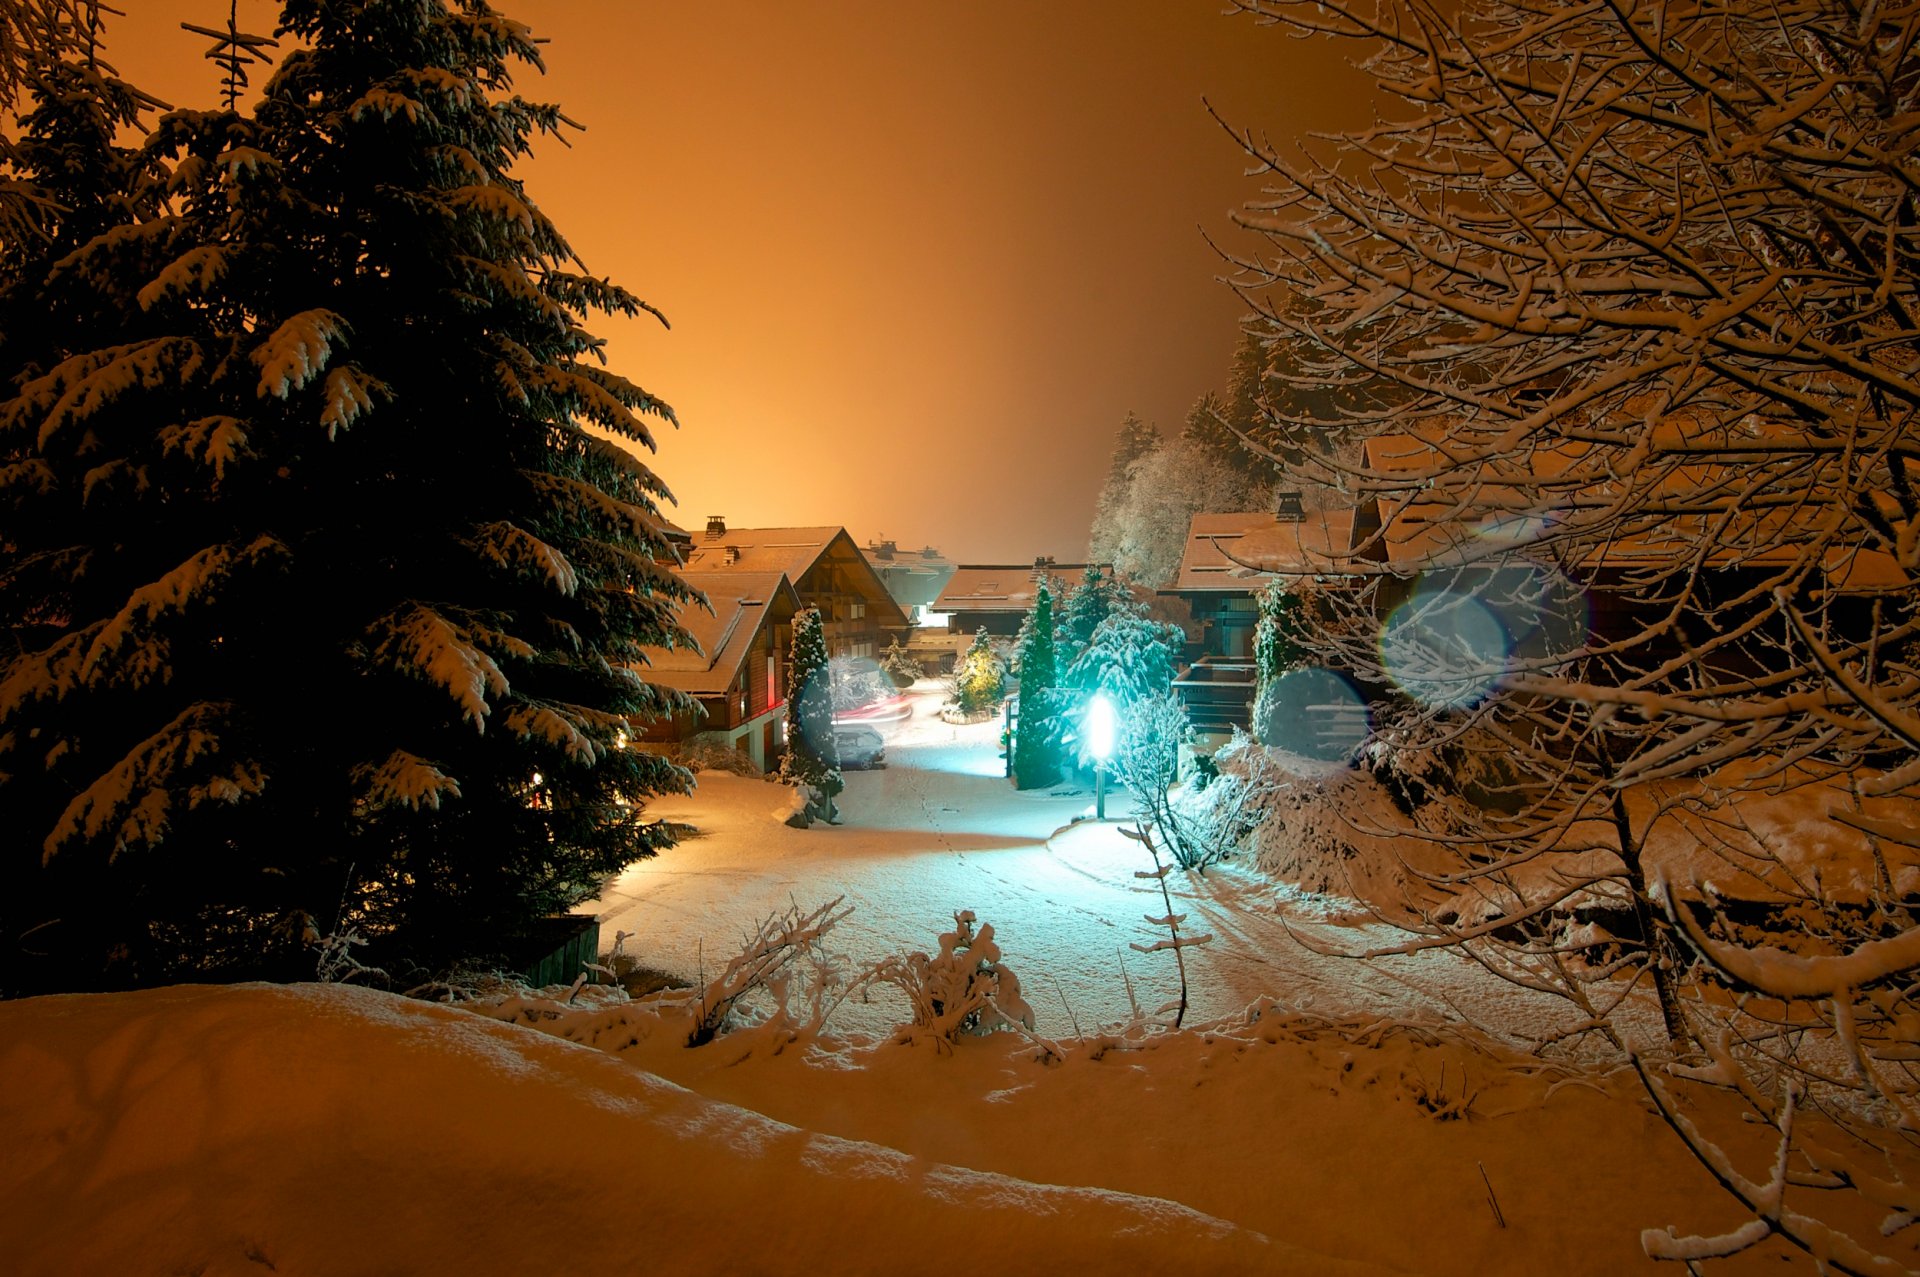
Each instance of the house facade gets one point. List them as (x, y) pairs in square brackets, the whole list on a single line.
[(737, 675), (1227, 561)]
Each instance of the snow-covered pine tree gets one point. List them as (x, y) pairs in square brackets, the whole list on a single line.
[(812, 759), (1130, 658), (1088, 603), (980, 681), (898, 666), (361, 584), (1036, 743)]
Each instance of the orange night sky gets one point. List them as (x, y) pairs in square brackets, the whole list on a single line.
[(920, 260)]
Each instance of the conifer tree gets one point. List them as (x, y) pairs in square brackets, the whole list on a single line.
[(812, 758), (1207, 432), (357, 597), (1037, 734), (980, 681), (1134, 440), (1088, 604)]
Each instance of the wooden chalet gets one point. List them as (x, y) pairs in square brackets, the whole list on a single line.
[(1227, 561), (737, 676), (826, 569)]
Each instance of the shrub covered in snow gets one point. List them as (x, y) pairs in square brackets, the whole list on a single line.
[(963, 989)]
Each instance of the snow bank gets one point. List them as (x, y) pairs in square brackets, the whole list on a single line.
[(326, 1129)]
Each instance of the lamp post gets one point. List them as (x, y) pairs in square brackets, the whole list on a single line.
[(1099, 727)]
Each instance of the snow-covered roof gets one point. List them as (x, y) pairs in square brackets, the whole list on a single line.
[(750, 550), (1314, 544), (742, 604), (991, 587)]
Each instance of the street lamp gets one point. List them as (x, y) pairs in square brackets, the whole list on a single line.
[(1098, 729)]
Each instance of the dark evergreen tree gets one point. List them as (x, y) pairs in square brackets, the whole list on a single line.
[(1036, 745), (1135, 440), (1206, 430), (812, 758), (1088, 603), (356, 597)]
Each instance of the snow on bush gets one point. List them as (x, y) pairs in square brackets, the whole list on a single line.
[(963, 989)]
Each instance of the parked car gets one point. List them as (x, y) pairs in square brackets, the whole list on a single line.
[(860, 747)]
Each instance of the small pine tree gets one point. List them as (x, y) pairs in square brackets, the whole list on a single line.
[(812, 757), (1036, 742), (1277, 647), (981, 680)]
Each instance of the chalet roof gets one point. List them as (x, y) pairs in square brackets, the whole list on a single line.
[(793, 551), (742, 603), (990, 587), (1314, 544)]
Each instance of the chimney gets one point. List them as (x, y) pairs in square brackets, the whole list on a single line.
[(1286, 507), (731, 554), (1042, 563), (716, 527)]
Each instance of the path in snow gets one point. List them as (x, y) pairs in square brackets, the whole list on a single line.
[(940, 829)]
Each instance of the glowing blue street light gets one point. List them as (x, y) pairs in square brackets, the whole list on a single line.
[(1098, 730)]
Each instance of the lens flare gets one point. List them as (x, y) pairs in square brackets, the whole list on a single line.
[(1316, 716), (1443, 647)]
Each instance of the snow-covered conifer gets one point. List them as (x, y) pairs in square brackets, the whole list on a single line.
[(1098, 593), (1037, 733), (813, 760), (360, 584)]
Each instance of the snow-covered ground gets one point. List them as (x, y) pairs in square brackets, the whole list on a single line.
[(1327, 1122), (940, 829)]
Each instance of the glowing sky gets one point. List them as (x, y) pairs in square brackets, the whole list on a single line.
[(920, 260)]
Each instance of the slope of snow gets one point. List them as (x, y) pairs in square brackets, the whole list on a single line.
[(325, 1129)]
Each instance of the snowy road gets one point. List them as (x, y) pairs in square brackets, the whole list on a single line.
[(940, 829)]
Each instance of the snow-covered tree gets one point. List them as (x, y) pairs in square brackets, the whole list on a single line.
[(1143, 533), (1278, 646), (1036, 744), (980, 680), (1088, 603), (1643, 275), (325, 588), (1131, 657), (813, 758)]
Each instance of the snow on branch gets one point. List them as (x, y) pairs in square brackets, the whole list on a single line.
[(297, 351), (403, 780), (420, 641), (1792, 975), (135, 799)]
